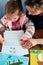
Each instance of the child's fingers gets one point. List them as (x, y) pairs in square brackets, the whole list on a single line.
[(2, 40), (23, 41), (27, 45)]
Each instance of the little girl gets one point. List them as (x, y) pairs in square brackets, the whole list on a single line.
[(15, 19)]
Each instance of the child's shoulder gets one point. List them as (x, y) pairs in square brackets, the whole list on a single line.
[(23, 15)]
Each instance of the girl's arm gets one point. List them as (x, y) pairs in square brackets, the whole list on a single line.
[(4, 22), (30, 30), (2, 28)]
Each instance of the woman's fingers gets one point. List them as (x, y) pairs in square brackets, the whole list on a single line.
[(34, 42), (29, 43), (26, 44)]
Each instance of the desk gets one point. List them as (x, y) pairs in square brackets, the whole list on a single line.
[(38, 34)]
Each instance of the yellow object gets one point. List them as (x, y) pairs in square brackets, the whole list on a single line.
[(36, 56)]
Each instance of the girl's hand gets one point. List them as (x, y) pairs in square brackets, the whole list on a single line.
[(25, 42), (29, 43), (1, 39), (24, 37)]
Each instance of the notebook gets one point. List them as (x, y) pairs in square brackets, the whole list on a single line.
[(36, 57), (12, 43), (8, 59)]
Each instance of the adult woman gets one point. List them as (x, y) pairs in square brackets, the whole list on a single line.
[(35, 14), (35, 9)]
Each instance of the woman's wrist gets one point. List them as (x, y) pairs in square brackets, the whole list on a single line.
[(40, 41)]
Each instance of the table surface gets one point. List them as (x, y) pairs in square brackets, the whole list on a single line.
[(38, 34)]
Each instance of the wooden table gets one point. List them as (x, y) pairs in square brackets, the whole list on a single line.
[(38, 34)]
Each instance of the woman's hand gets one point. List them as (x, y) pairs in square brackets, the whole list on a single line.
[(25, 42), (1, 39), (29, 43)]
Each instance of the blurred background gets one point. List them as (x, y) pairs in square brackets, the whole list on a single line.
[(2, 7)]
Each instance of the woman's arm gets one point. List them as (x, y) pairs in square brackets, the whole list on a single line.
[(31, 42), (40, 41)]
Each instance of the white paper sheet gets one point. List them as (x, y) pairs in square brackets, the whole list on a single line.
[(12, 43)]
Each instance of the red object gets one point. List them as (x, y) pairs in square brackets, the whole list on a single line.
[(16, 24)]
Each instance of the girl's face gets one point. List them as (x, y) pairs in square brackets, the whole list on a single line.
[(33, 10), (14, 16)]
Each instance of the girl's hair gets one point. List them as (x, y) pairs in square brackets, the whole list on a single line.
[(12, 6), (20, 3), (38, 3)]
